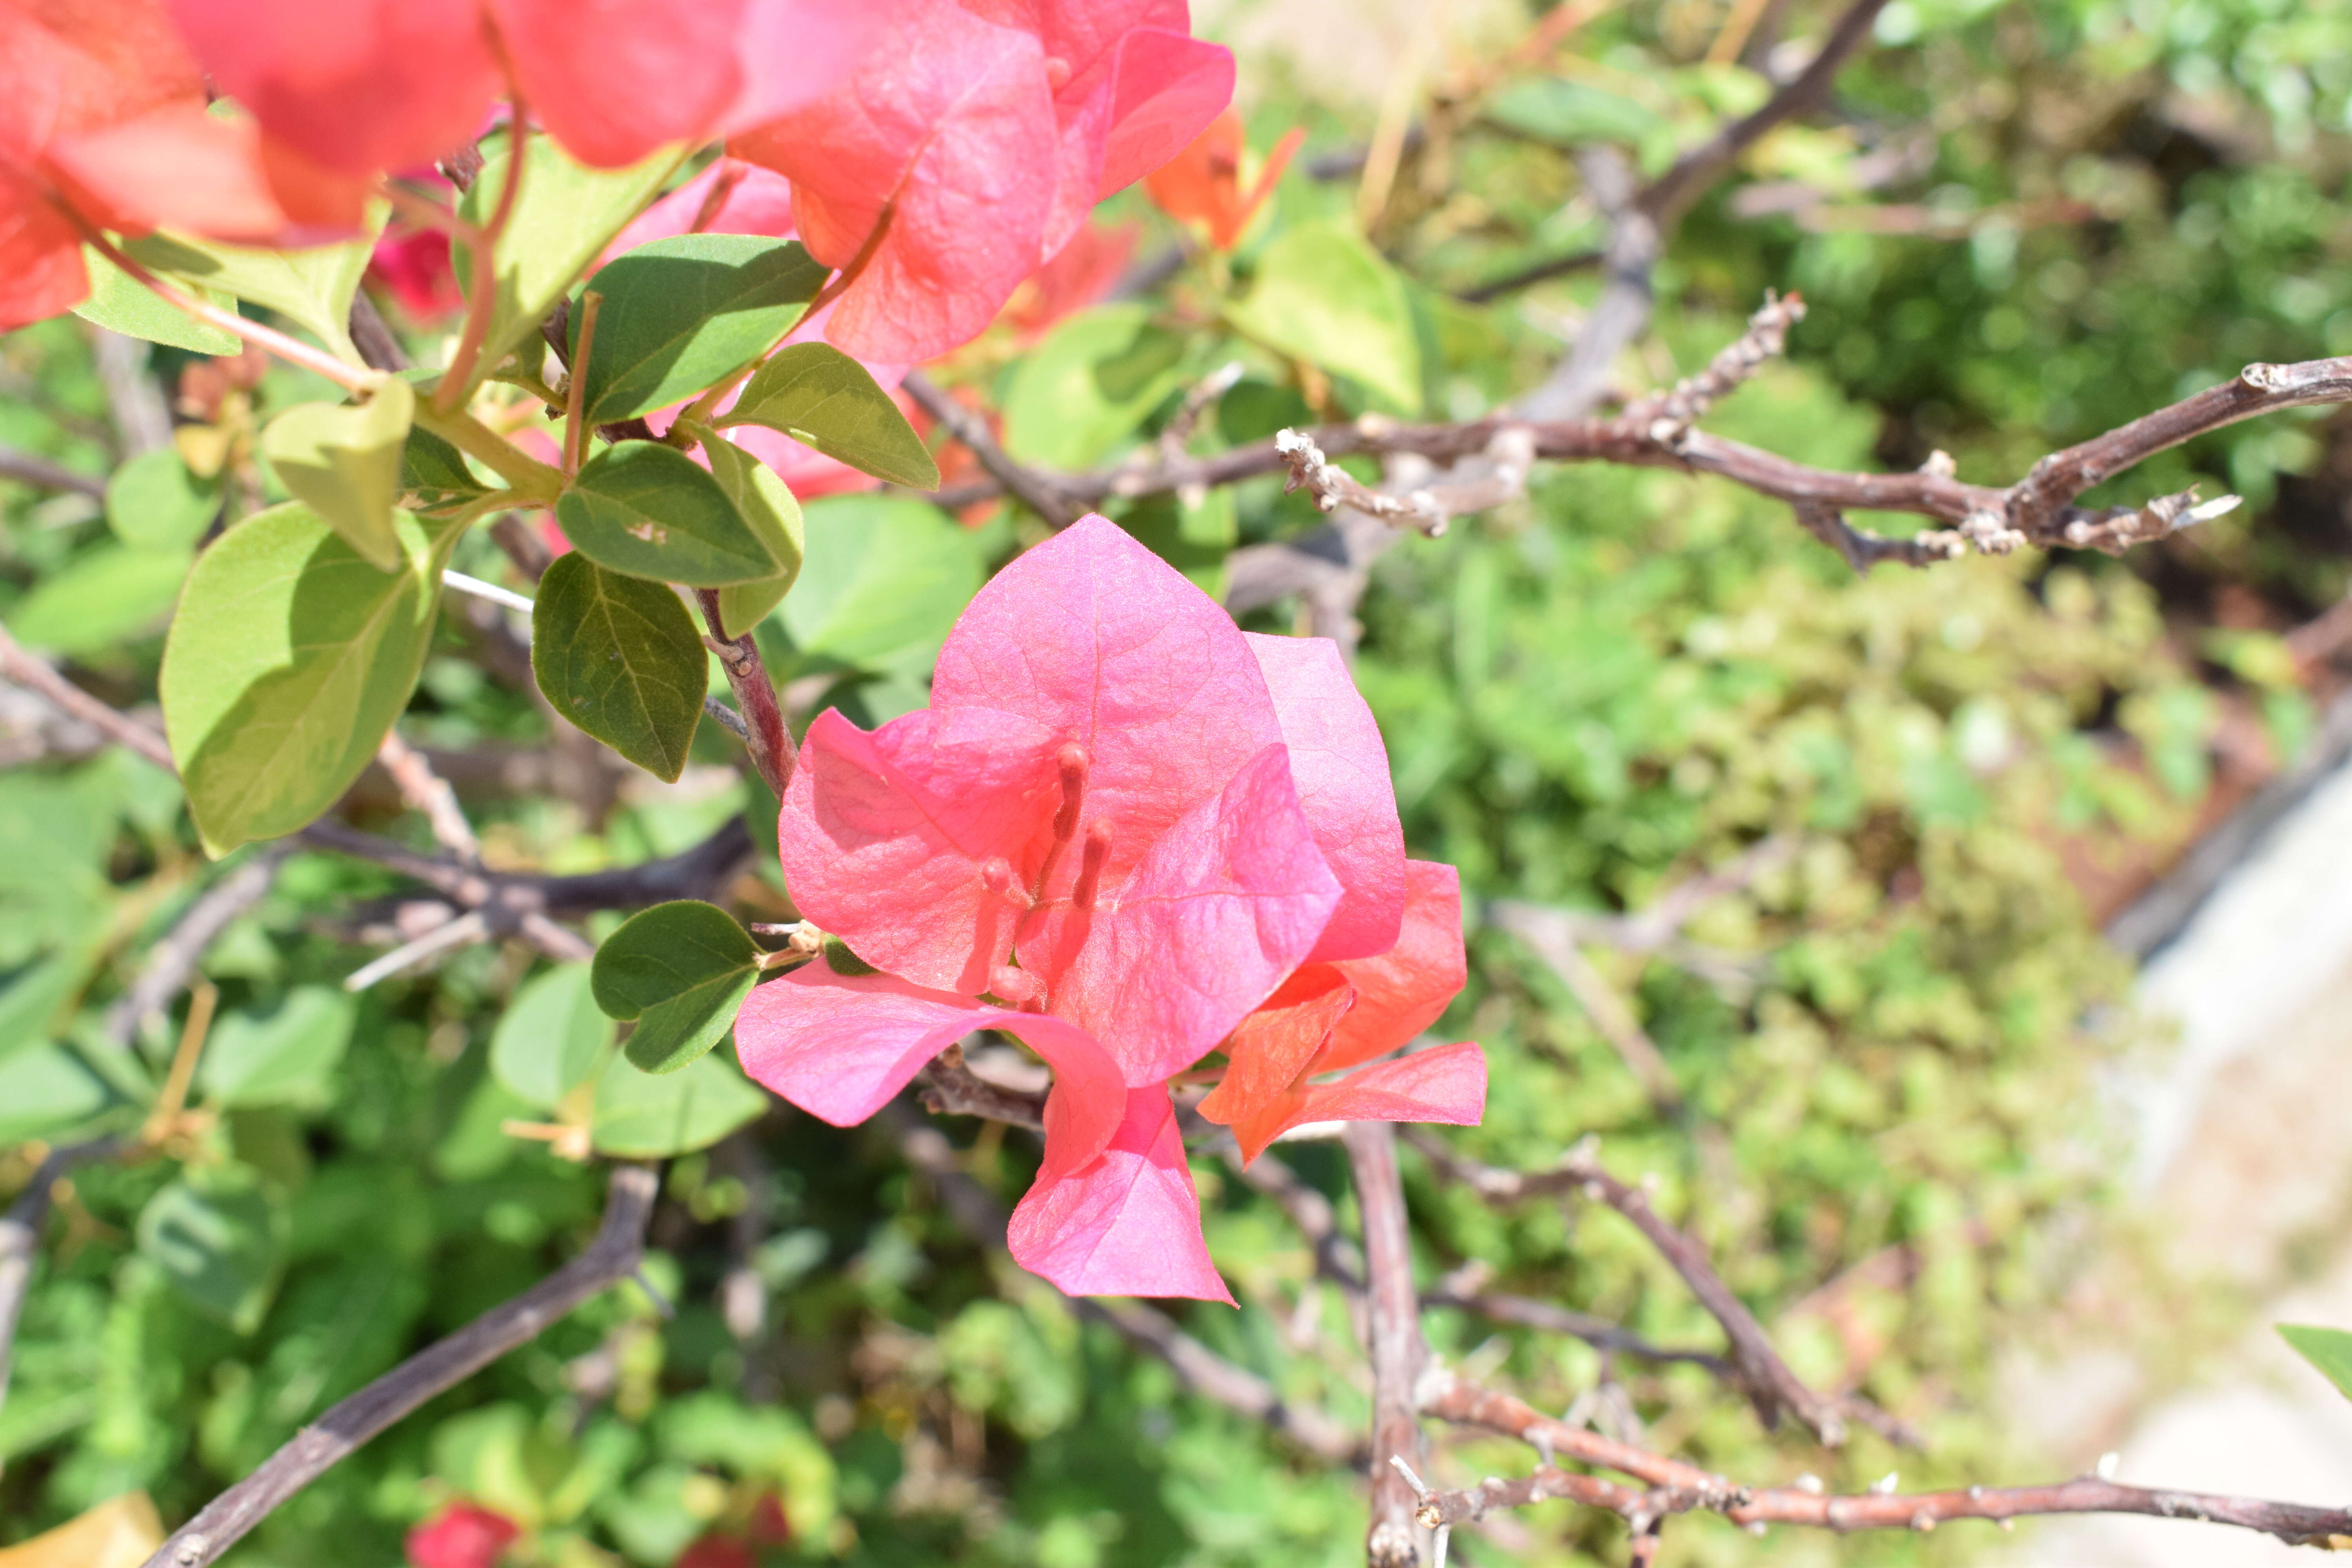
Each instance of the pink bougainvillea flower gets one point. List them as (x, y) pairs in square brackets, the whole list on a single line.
[(1202, 183), (983, 134), (370, 85), (1118, 831), (68, 70), (461, 1535), (1082, 272)]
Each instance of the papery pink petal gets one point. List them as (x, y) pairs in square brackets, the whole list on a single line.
[(791, 52), (613, 79), (1223, 907), (1342, 771), (1404, 991), (1447, 1083), (840, 1046), (948, 126), (1101, 642), (190, 170), (41, 270), (884, 837), (359, 86), (1168, 88), (748, 200), (1127, 1224)]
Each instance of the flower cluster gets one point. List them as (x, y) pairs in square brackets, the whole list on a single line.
[(955, 145), (1128, 835)]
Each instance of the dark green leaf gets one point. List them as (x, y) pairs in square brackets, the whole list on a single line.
[(814, 393), (216, 1233), (433, 475), (1326, 297), (153, 502), (344, 463), (551, 1037), (649, 1116), (1088, 385), (563, 217), (2329, 1350), (619, 657), (285, 1056), (683, 312), (121, 303), (681, 970), (649, 510), (289, 661), (884, 573), (764, 502)]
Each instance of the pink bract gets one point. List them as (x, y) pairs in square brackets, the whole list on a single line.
[(1122, 833)]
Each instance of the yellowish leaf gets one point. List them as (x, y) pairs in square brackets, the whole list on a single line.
[(122, 1532)]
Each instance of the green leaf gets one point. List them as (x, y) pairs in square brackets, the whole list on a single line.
[(216, 1233), (620, 658), (433, 475), (1088, 385), (1325, 296), (106, 597), (288, 663), (551, 1037), (680, 970), (648, 509), (121, 303), (1571, 113), (817, 394), (763, 501), (345, 465), (285, 1056), (49, 1091), (649, 1116), (563, 217), (2329, 1350), (312, 289), (684, 313), (884, 573), (153, 502)]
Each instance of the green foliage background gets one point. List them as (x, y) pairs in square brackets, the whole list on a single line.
[(1588, 696)]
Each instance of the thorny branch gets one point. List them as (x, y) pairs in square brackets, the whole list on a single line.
[(612, 1257), (1398, 1352), (1671, 1487)]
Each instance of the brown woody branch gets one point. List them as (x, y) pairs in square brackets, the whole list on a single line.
[(764, 734), (1398, 1352), (1041, 493), (1671, 1487), (1766, 1380), (612, 1257), (175, 957), (29, 468)]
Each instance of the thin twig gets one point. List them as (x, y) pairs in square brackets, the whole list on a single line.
[(37, 675), (576, 394), (1397, 1349), (1525, 1313), (612, 1257), (174, 957), (457, 381), (1039, 492), (1608, 1011), (427, 791), (764, 734), (30, 469)]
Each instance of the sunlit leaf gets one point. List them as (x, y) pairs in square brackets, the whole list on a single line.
[(681, 314), (620, 658), (649, 510), (551, 1036), (344, 463), (819, 395)]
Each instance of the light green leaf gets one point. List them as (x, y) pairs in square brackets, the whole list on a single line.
[(49, 1091), (647, 509), (551, 1037), (345, 465), (288, 662), (312, 287), (620, 658), (649, 1116), (817, 394), (1088, 385), (884, 573), (216, 1233), (153, 502), (684, 313), (680, 970), (285, 1056), (1325, 296), (1570, 113), (563, 217), (121, 303), (764, 502), (433, 474), (105, 598), (2329, 1350)]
